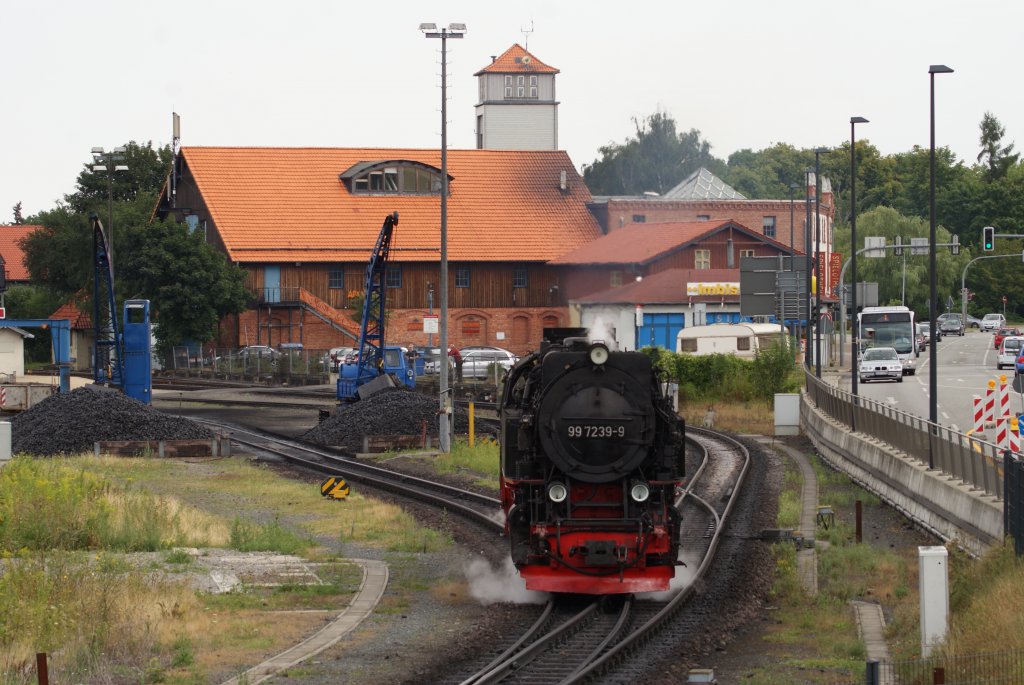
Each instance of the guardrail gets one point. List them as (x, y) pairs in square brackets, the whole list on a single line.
[(974, 461)]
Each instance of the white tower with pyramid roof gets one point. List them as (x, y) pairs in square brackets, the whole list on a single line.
[(517, 109)]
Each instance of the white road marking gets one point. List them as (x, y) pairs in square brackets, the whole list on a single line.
[(945, 415), (890, 400)]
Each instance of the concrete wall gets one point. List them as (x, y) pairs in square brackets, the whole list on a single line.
[(934, 500)]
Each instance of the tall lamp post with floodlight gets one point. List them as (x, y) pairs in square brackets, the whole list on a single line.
[(108, 162), (818, 151), (444, 426), (933, 362), (792, 245), (853, 243)]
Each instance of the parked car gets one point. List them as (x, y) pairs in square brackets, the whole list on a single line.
[(973, 322), (993, 322), (952, 324), (341, 355), (997, 339), (263, 352), (929, 331), (880, 363), (1009, 351), (486, 362), (921, 337)]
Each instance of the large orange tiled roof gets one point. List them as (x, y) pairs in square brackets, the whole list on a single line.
[(10, 250), (288, 204), (516, 60)]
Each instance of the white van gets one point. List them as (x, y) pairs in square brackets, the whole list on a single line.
[(740, 339)]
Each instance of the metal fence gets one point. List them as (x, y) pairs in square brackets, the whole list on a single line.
[(975, 462), (254, 363), (976, 669)]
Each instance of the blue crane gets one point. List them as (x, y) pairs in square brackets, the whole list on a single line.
[(376, 364)]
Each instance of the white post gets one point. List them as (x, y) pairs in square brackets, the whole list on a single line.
[(933, 579), (5, 442)]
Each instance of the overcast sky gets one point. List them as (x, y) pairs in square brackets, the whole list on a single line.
[(745, 73)]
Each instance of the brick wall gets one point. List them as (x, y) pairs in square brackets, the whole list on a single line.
[(518, 330)]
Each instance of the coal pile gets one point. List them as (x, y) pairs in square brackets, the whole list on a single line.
[(391, 412), (69, 423)]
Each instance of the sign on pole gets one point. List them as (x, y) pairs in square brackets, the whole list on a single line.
[(874, 241), (919, 246), (430, 323)]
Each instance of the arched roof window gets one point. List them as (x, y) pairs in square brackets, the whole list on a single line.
[(398, 176)]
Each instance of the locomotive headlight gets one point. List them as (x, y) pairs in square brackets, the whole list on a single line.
[(639, 491), (557, 492), (598, 353)]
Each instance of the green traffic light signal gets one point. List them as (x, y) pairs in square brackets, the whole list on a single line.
[(988, 241)]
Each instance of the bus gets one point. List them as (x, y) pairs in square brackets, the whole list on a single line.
[(889, 327)]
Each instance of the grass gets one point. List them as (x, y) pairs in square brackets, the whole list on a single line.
[(68, 589), (756, 417)]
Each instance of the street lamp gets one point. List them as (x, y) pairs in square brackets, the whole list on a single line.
[(108, 162), (453, 31), (853, 243), (818, 151), (792, 245), (807, 257), (933, 362)]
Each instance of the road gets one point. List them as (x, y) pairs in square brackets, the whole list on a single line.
[(965, 366)]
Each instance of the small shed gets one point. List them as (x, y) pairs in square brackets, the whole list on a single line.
[(12, 352)]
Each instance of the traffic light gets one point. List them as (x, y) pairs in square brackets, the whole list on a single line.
[(954, 249), (898, 250), (988, 238)]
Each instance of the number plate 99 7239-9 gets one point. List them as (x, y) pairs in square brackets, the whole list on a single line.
[(606, 431)]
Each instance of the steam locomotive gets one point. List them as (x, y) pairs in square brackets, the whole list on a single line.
[(591, 457)]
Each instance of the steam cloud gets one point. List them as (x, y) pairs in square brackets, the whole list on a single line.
[(488, 585)]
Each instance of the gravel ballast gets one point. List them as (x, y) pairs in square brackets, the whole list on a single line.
[(69, 423)]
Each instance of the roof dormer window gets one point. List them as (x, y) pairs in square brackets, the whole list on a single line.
[(401, 177)]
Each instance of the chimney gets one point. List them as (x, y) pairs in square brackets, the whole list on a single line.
[(562, 185), (494, 58)]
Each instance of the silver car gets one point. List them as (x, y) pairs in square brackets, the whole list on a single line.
[(1008, 351), (486, 362), (880, 363)]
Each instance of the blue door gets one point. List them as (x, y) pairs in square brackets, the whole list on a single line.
[(660, 330), (272, 283)]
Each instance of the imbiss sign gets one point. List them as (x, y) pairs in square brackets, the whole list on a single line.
[(712, 289)]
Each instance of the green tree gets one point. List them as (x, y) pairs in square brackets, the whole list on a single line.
[(147, 170), (996, 157), (18, 218), (768, 173), (656, 160), (190, 285), (888, 271)]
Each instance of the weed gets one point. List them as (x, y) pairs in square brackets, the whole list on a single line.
[(178, 556)]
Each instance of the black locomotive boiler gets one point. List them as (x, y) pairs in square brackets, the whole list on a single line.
[(591, 458)]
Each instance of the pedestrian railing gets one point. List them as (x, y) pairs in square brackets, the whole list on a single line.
[(972, 460)]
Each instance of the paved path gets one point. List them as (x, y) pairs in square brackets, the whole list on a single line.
[(375, 580)]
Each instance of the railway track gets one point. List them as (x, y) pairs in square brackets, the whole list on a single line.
[(602, 640), (481, 509)]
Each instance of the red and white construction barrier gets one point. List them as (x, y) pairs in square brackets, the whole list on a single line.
[(979, 414), (1013, 435), (3, 396), (1004, 396), (1002, 425), (990, 402)]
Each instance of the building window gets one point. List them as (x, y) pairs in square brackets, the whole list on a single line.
[(397, 179), (702, 259), (768, 223), (533, 81), (393, 276), (639, 218), (336, 278), (533, 91), (519, 278), (520, 80), (746, 253), (508, 91), (615, 279), (462, 277), (703, 217), (520, 92)]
